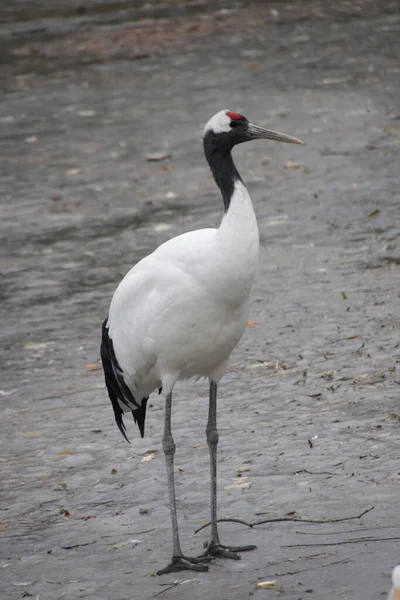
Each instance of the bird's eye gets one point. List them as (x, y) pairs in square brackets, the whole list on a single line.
[(234, 123)]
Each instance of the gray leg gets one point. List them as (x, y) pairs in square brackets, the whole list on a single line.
[(169, 452), (178, 562), (214, 546), (212, 441)]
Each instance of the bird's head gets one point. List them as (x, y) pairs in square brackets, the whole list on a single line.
[(226, 129)]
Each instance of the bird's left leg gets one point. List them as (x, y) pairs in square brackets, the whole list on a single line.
[(179, 562), (214, 546)]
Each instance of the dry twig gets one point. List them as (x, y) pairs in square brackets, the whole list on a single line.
[(351, 541), (280, 519)]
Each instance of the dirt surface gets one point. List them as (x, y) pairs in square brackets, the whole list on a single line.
[(311, 402)]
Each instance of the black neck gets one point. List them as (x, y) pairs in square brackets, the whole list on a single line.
[(219, 158)]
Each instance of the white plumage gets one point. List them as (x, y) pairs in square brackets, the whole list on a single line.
[(181, 311), (190, 303), (394, 593)]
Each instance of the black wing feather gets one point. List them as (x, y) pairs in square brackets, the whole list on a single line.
[(117, 388)]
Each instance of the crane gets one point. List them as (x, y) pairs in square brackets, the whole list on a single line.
[(179, 313)]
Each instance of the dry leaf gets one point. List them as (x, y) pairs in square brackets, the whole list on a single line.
[(251, 322), (243, 483), (65, 452), (147, 458), (3, 525), (93, 366), (117, 546), (161, 227), (35, 345), (330, 80), (291, 164), (393, 417), (265, 584)]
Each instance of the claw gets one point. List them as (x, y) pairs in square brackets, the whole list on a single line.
[(216, 549), (182, 563)]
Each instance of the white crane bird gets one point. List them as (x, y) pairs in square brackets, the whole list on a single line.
[(180, 312)]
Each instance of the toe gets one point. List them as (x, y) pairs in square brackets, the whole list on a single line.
[(242, 548), (183, 563), (226, 552), (215, 550)]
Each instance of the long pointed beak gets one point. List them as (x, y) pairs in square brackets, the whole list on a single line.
[(259, 132)]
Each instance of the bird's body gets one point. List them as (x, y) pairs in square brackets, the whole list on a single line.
[(180, 311), (180, 291)]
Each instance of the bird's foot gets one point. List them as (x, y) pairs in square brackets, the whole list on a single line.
[(186, 563), (215, 549)]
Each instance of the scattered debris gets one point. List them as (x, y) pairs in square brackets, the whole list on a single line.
[(156, 156), (78, 545), (7, 392), (93, 366), (149, 455), (239, 482), (144, 511), (243, 469), (119, 545), (35, 345)]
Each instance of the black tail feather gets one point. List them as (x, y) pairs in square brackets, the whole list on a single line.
[(117, 388), (139, 416)]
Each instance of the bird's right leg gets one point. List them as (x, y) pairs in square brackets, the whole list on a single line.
[(178, 562), (214, 547)]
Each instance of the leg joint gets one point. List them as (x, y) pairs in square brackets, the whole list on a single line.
[(168, 445), (212, 437)]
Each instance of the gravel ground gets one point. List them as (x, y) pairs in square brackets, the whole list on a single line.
[(309, 413)]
